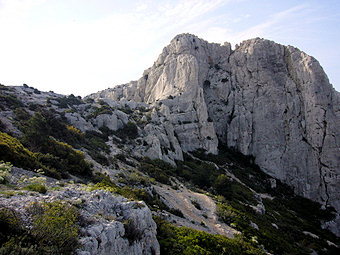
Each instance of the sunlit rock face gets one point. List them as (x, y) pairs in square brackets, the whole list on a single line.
[(267, 100)]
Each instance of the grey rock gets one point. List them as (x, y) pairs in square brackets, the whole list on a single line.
[(109, 120), (267, 100), (79, 122), (106, 216)]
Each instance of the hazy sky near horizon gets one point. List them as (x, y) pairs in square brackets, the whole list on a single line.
[(82, 46)]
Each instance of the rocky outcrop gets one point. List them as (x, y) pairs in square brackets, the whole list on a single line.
[(174, 85), (112, 224), (124, 227), (267, 100)]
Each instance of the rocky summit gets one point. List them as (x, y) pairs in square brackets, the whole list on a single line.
[(213, 149), (264, 99)]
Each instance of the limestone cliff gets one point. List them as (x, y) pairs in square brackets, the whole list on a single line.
[(267, 100)]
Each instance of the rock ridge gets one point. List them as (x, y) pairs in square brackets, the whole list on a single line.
[(267, 100)]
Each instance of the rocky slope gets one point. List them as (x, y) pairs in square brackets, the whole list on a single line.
[(96, 149), (105, 216), (267, 100), (196, 109)]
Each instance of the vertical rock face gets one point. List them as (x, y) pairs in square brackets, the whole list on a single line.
[(177, 80), (286, 115), (264, 99)]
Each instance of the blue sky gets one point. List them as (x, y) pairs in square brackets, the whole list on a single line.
[(82, 46)]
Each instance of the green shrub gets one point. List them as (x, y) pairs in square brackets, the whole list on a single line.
[(72, 160), (182, 240), (49, 123), (126, 110), (19, 245), (158, 169), (36, 132), (59, 158), (11, 101), (153, 200), (176, 212), (199, 173), (103, 109), (14, 238), (129, 131), (36, 91), (56, 156), (227, 213), (10, 224), (5, 172), (95, 144), (34, 107), (37, 187), (132, 232), (21, 114), (11, 150), (136, 179), (55, 227), (65, 102)]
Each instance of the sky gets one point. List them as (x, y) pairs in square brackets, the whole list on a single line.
[(83, 46)]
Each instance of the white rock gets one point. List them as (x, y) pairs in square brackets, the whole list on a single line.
[(267, 100)]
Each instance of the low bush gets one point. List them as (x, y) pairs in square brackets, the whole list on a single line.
[(72, 160), (103, 109), (176, 212), (10, 101), (227, 213), (129, 131), (5, 172), (65, 102), (36, 91), (199, 173), (55, 227), (153, 200), (182, 240), (96, 141), (56, 160), (21, 114), (132, 232), (11, 150), (37, 187), (10, 224), (158, 169), (49, 123)]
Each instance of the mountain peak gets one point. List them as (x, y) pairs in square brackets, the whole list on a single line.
[(208, 137), (264, 99)]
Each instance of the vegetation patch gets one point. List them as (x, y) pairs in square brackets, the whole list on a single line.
[(132, 232), (37, 187), (11, 150), (10, 101), (129, 131), (68, 101), (153, 200), (183, 240), (103, 109), (158, 169), (54, 230), (5, 172)]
